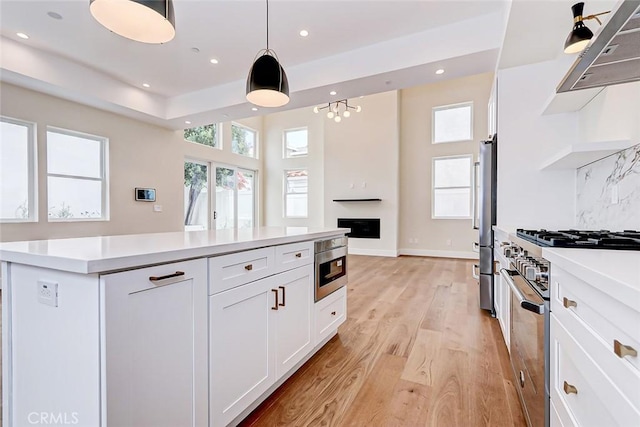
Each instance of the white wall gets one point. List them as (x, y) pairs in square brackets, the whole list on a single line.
[(140, 155), (435, 237), (275, 164), (528, 197), (361, 160)]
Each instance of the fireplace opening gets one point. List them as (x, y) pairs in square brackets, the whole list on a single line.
[(361, 228)]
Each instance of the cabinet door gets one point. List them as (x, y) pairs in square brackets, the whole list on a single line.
[(155, 345), (242, 365), (294, 339)]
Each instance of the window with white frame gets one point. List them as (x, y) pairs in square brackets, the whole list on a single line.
[(452, 187), (243, 140), (296, 185), (76, 176), (205, 135), (452, 123), (17, 171), (296, 143)]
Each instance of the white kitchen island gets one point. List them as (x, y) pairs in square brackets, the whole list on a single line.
[(168, 329)]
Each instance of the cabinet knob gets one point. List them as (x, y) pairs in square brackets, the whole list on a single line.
[(333, 313), (569, 303), (568, 388), (248, 267), (622, 350), (298, 255)]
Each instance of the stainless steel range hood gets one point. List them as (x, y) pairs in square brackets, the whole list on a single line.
[(612, 56)]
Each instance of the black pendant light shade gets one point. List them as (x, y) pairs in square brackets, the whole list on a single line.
[(146, 21), (267, 84), (580, 34)]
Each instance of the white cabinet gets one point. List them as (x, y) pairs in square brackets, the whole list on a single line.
[(502, 294), (259, 331), (155, 345), (331, 312), (593, 380)]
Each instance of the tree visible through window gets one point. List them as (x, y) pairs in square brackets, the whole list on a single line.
[(452, 187), (205, 135), (243, 140)]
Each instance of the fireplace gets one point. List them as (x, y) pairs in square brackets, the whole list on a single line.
[(361, 228)]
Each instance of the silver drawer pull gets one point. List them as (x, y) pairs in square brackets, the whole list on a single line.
[(496, 268), (622, 350), (569, 303), (299, 255), (568, 388), (248, 267), (168, 276)]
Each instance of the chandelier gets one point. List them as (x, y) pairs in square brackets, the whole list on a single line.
[(338, 109)]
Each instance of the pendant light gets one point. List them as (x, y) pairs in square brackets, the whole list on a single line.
[(267, 84), (146, 21)]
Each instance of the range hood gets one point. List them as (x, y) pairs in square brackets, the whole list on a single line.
[(612, 56)]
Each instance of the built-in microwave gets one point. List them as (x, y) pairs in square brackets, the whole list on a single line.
[(330, 266)]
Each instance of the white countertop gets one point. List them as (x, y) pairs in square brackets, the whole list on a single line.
[(109, 253), (617, 273)]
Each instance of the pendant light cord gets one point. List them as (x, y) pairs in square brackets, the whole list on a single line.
[(267, 24)]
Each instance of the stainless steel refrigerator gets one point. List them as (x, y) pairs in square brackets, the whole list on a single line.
[(485, 218)]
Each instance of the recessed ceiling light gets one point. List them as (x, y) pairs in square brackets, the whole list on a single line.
[(254, 109), (187, 122), (213, 61), (54, 15), (333, 92), (304, 33), (440, 71), (22, 35), (147, 85)]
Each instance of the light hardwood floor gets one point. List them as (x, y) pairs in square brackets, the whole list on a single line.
[(415, 351)]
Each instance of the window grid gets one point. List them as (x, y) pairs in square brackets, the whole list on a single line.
[(26, 211), (296, 189), (452, 123), (76, 183), (463, 205)]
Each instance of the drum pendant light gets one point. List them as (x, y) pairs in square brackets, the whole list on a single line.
[(146, 21), (580, 34), (267, 84)]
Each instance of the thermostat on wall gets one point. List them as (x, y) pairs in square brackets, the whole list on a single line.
[(145, 194)]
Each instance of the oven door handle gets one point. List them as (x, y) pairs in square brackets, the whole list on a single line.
[(524, 303)]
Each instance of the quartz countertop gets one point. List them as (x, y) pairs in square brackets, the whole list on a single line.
[(101, 254), (615, 272)]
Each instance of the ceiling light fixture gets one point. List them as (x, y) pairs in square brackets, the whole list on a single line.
[(580, 35), (267, 84), (304, 33), (146, 21), (214, 61), (440, 71), (22, 35), (147, 85), (187, 122), (333, 92), (335, 109), (254, 108)]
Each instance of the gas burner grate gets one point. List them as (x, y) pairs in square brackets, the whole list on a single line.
[(590, 239)]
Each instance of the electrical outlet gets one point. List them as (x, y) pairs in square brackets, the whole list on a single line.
[(48, 293)]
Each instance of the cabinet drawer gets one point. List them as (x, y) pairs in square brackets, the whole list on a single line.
[(607, 318), (331, 312), (595, 401), (229, 271), (294, 255)]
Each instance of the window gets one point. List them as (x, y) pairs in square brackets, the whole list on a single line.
[(451, 187), (452, 123), (243, 140), (205, 135), (295, 143), (17, 171), (76, 176), (296, 184)]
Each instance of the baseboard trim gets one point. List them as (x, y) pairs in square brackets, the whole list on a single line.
[(373, 252), (439, 254)]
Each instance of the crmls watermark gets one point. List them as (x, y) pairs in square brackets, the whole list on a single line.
[(53, 418)]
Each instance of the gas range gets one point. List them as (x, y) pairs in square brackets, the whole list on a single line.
[(587, 239)]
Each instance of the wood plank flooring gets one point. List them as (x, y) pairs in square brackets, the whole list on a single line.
[(415, 351)]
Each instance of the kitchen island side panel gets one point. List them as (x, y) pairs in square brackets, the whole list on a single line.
[(55, 351)]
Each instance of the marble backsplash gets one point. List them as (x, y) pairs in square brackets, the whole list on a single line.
[(600, 183)]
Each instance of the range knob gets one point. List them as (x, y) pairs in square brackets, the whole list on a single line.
[(534, 273)]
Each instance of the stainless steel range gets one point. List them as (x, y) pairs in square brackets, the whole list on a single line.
[(528, 278)]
